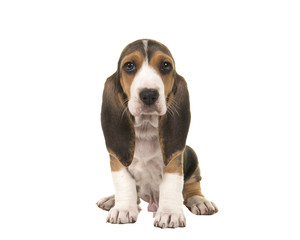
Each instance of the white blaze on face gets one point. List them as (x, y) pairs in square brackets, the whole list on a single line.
[(148, 78)]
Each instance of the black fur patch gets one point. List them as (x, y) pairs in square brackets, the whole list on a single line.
[(154, 46), (116, 124), (173, 128), (190, 162)]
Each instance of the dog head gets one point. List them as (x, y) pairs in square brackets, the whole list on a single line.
[(146, 71)]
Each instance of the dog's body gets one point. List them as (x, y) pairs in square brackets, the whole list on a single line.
[(145, 119)]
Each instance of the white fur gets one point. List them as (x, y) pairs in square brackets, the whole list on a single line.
[(170, 211), (146, 77), (162, 191), (125, 209), (125, 190), (171, 191), (147, 165)]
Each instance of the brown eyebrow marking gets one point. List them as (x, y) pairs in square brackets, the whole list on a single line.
[(136, 57), (159, 57), (126, 79), (168, 79)]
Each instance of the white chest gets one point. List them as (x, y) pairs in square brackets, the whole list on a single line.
[(147, 165)]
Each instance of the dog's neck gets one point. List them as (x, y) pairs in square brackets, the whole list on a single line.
[(146, 127)]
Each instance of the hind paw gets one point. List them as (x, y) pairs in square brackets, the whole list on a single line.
[(201, 206), (106, 203)]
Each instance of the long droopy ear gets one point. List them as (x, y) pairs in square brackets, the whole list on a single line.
[(117, 123), (174, 125)]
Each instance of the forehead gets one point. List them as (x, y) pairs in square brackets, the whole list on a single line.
[(147, 48)]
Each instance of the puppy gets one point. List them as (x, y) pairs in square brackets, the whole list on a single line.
[(145, 119)]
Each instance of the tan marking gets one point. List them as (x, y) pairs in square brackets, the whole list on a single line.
[(126, 79), (115, 164), (192, 189), (192, 186), (175, 165), (167, 79)]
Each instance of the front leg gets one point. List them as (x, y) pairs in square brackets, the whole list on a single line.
[(170, 210), (126, 208)]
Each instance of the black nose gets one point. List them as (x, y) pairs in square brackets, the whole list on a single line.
[(149, 96)]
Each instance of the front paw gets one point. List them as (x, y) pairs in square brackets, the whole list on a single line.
[(169, 218), (123, 214)]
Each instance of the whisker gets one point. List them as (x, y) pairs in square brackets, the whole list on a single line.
[(175, 104), (174, 107), (170, 111), (123, 112), (126, 100), (124, 107)]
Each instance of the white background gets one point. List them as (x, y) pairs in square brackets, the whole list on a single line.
[(241, 60)]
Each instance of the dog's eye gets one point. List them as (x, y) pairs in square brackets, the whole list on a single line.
[(165, 67), (129, 67)]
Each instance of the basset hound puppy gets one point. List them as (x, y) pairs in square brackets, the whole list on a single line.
[(145, 118)]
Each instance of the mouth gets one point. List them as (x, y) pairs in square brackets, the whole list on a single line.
[(150, 110), (143, 109)]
